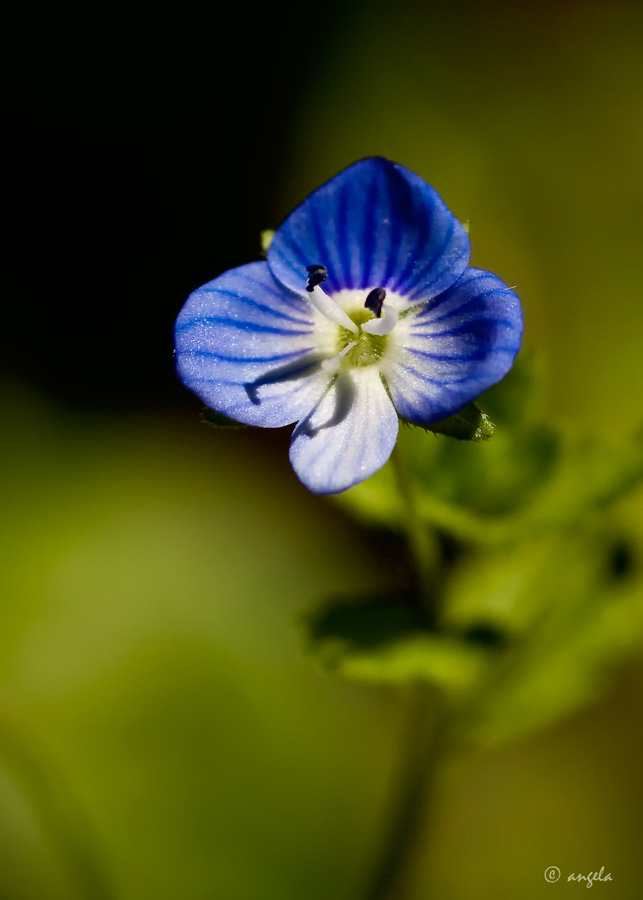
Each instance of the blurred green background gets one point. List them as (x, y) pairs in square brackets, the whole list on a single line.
[(161, 734)]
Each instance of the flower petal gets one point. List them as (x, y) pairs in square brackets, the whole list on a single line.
[(454, 348), (246, 347), (376, 224), (349, 434)]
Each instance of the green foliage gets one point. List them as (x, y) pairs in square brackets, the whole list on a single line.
[(566, 619), (537, 598), (535, 475), (382, 640)]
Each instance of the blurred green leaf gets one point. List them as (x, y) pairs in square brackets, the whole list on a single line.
[(519, 399), (567, 620), (382, 640), (368, 623)]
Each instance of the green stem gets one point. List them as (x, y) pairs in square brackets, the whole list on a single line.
[(426, 723), (50, 800), (425, 552), (408, 818)]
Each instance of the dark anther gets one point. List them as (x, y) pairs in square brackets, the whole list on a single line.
[(317, 274), (375, 300)]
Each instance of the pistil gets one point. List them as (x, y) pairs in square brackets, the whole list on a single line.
[(384, 325)]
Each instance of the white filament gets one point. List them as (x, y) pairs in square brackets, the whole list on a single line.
[(332, 364), (328, 308)]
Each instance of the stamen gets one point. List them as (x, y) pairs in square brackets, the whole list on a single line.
[(330, 365), (328, 308), (384, 325), (317, 275), (325, 304), (375, 300)]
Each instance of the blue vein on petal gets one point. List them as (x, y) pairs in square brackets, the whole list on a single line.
[(295, 249), (208, 354), (436, 266), (481, 353), (344, 277), (464, 328), (260, 306), (291, 372), (292, 248), (320, 241), (395, 237), (424, 232), (369, 233), (436, 381), (244, 326), (224, 382), (424, 317), (282, 295), (412, 280)]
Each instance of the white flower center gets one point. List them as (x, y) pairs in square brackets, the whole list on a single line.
[(357, 336)]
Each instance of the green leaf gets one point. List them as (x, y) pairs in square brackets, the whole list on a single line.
[(470, 424), (368, 623), (218, 420), (382, 640)]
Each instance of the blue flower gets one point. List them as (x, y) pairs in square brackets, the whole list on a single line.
[(364, 311)]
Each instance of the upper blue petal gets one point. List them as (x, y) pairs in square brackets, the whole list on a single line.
[(375, 224), (455, 347), (244, 345)]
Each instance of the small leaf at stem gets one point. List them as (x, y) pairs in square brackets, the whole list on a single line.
[(470, 424)]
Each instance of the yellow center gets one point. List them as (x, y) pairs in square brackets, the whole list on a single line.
[(368, 349)]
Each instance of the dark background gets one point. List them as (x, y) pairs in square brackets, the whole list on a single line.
[(143, 150)]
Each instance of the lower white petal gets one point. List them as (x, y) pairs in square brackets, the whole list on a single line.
[(348, 435)]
